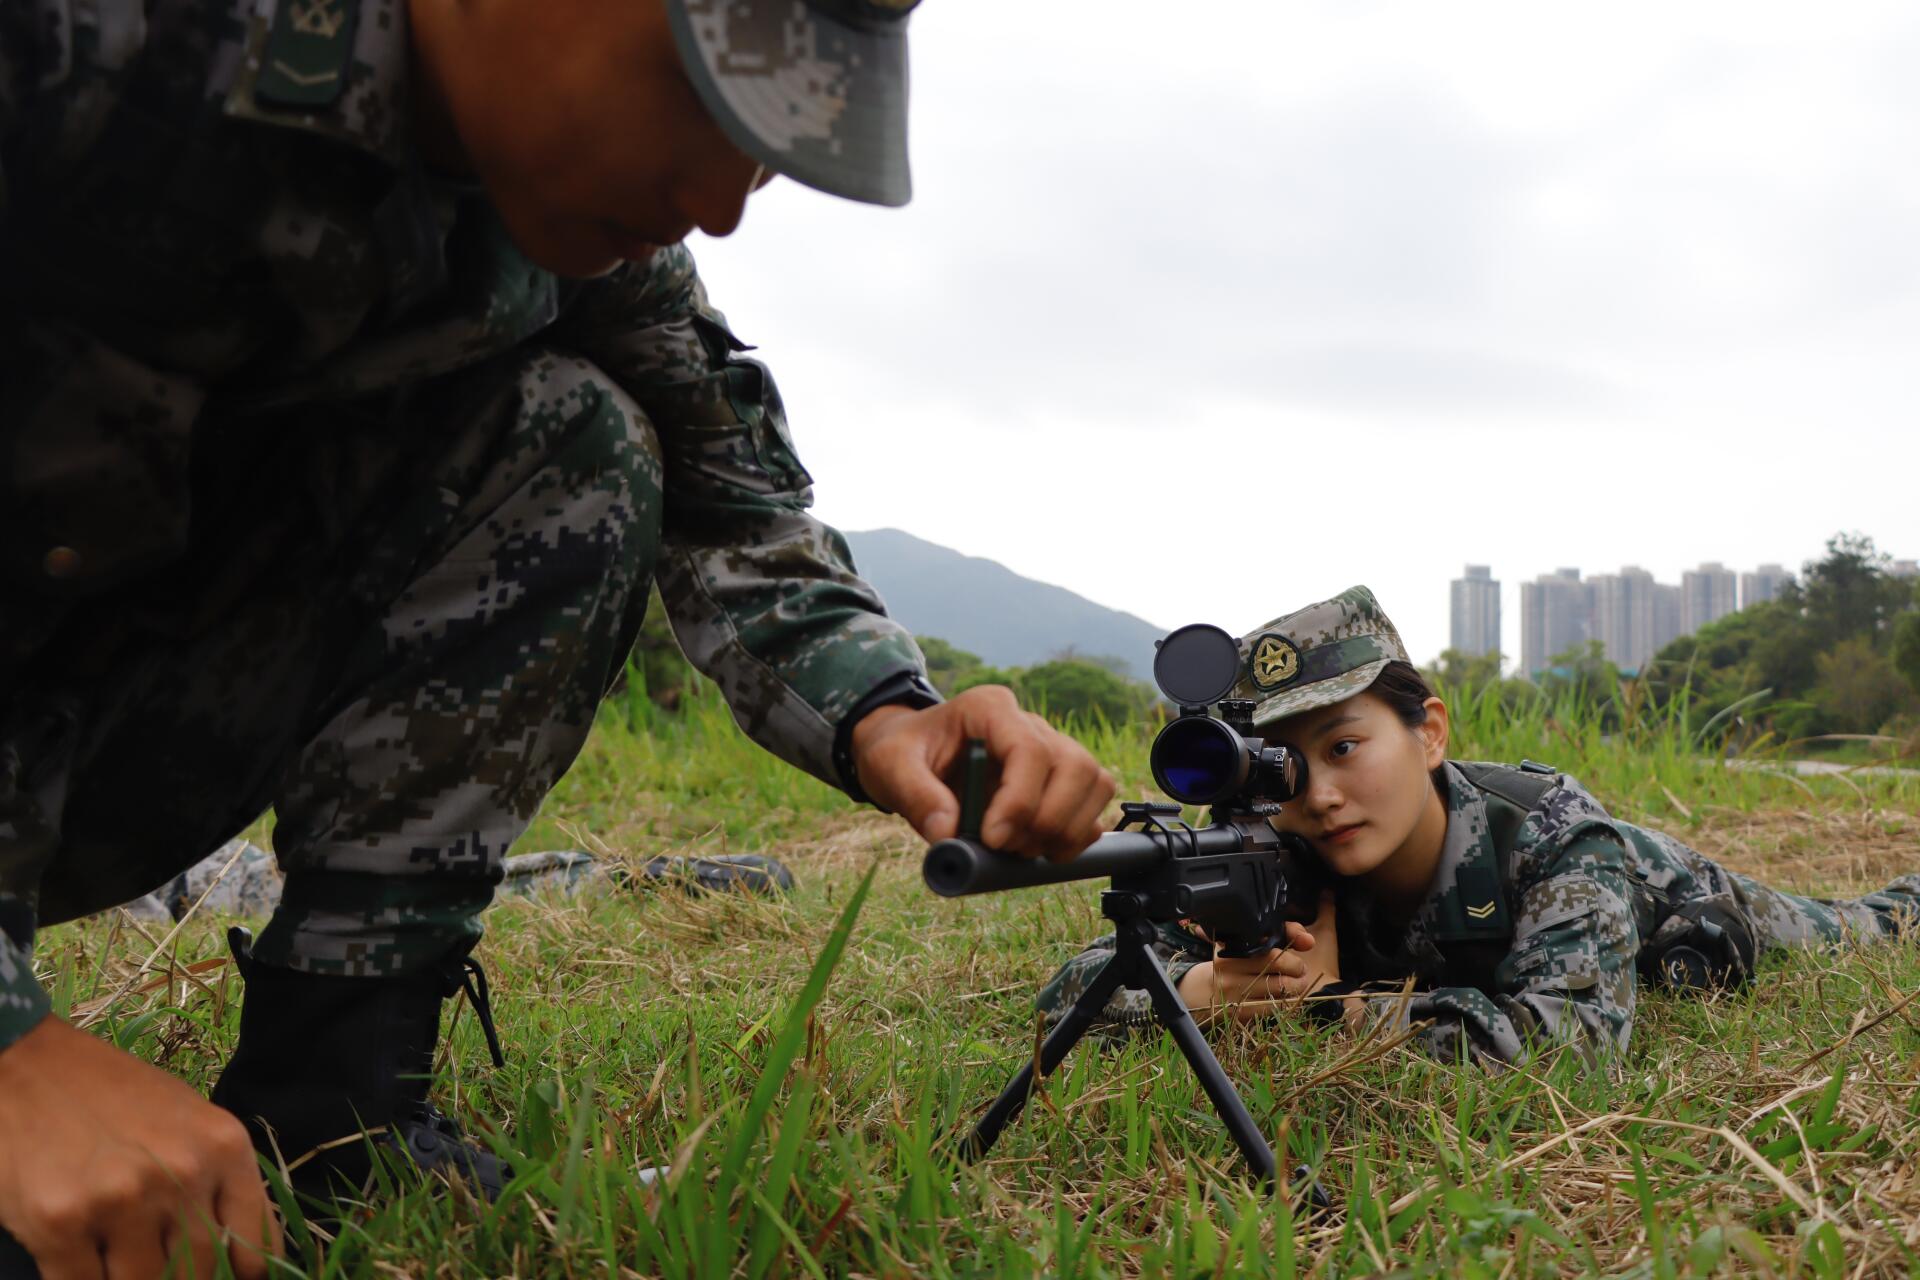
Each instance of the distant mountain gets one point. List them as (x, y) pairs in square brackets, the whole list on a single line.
[(986, 608)]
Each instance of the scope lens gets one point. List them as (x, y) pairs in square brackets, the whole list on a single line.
[(1196, 760)]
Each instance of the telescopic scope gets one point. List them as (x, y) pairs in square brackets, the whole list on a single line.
[(1198, 759)]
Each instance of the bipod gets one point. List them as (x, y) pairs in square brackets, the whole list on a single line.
[(1135, 966)]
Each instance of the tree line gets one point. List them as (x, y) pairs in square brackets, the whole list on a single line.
[(1836, 653), (1068, 686)]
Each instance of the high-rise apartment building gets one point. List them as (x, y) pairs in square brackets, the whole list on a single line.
[(1556, 614), (1706, 593), (1762, 584), (1632, 616), (1904, 569), (1668, 602), (1476, 612), (1609, 614), (1624, 607)]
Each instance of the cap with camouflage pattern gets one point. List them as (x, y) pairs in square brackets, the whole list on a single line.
[(812, 89), (1316, 656)]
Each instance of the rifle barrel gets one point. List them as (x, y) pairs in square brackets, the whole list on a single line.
[(958, 867)]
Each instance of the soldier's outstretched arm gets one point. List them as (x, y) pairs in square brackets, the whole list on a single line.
[(1568, 976), (765, 599)]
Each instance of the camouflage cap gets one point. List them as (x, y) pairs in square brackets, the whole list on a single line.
[(812, 89), (1316, 656)]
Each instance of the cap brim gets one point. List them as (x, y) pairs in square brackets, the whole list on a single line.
[(814, 99), (1321, 693)]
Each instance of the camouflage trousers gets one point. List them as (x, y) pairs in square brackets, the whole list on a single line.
[(394, 629), (1668, 875)]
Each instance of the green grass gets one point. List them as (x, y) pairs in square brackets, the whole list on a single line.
[(810, 1115)]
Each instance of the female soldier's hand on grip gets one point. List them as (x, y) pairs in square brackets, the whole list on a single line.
[(1251, 984)]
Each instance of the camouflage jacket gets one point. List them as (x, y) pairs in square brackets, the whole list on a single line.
[(211, 210), (1526, 938)]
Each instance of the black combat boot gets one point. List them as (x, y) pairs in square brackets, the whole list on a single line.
[(326, 1058)]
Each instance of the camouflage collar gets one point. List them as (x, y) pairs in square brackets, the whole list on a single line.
[(336, 68), (1466, 899)]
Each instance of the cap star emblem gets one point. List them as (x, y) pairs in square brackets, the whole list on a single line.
[(1275, 661)]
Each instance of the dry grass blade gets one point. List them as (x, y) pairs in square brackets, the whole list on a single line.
[(145, 966), (1676, 801), (683, 1155), (1862, 1024)]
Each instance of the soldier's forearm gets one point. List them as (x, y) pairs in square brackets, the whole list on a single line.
[(787, 630)]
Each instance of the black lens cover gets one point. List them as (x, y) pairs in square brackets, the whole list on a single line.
[(1196, 665)]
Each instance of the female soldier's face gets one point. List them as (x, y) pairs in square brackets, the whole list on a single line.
[(1367, 779), (581, 123)]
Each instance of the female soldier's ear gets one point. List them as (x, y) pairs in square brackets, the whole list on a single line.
[(1434, 731)]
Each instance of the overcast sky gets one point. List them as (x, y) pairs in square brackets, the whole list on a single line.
[(1209, 311)]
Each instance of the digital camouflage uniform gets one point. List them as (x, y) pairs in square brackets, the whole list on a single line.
[(1543, 909), (315, 493)]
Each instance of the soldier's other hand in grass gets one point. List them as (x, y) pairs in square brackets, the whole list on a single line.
[(1251, 984), (111, 1167), (1051, 791)]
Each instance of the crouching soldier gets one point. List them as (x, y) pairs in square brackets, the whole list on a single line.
[(354, 385)]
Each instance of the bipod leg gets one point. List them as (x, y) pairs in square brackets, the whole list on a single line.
[(1173, 1015), (1052, 1050), (1226, 1100)]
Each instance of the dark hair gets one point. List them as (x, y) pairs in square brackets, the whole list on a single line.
[(1401, 686)]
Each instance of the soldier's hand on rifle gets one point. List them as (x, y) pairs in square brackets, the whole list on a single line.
[(111, 1167), (1252, 984), (1323, 948), (1323, 963), (1050, 794)]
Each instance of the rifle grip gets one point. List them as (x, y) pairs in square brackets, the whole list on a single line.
[(973, 788), (1307, 878)]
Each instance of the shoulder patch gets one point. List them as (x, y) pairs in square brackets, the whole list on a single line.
[(305, 61)]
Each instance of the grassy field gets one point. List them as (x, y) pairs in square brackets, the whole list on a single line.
[(803, 1065)]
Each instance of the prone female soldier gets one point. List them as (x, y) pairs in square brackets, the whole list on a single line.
[(1525, 914)]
